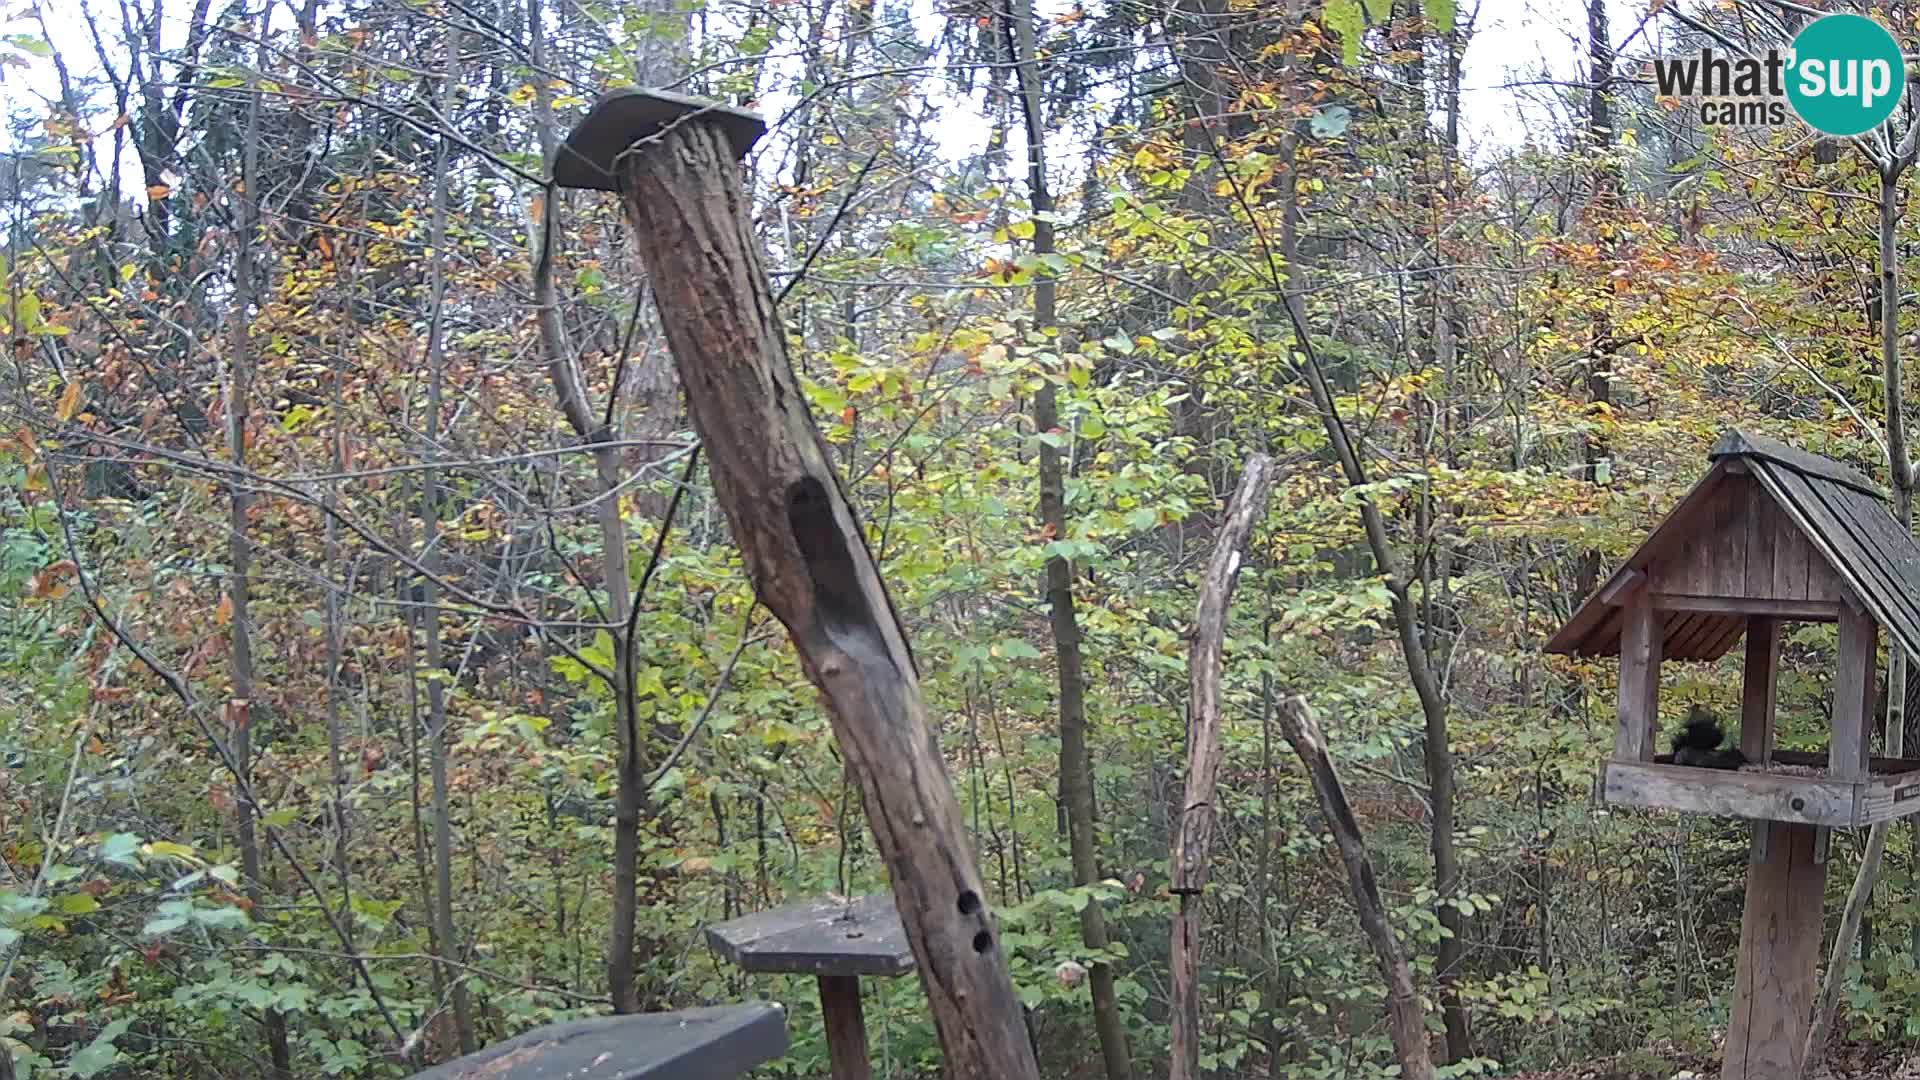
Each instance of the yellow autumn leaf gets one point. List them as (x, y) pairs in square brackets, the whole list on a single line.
[(69, 402)]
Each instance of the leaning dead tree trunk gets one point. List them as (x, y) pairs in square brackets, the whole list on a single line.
[(803, 548), (1406, 1018), (1193, 833)]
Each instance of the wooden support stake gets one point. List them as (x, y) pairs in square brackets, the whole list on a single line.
[(1758, 691), (1779, 958), (809, 563), (1639, 705), (846, 1027), (1853, 696), (1193, 832)]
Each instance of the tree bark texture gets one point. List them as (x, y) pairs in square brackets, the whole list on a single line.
[(810, 566), (1193, 832)]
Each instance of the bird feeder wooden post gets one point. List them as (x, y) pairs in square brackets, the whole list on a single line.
[(673, 159), (835, 941), (1771, 535)]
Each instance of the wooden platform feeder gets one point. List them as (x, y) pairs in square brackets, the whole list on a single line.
[(836, 941), (1771, 535), (720, 1042)]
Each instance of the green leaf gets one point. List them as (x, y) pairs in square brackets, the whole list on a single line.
[(76, 904), (31, 321), (163, 925), (169, 850), (119, 848), (31, 45), (1343, 18), (220, 918), (1015, 649), (1440, 14), (1379, 11), (100, 1053)]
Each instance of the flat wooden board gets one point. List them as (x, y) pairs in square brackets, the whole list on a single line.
[(1890, 790), (717, 1043), (1760, 796), (818, 937)]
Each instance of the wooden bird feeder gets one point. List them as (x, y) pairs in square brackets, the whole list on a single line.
[(1771, 535), (836, 941)]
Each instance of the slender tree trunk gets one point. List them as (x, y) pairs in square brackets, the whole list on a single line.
[(1193, 833), (1436, 752), (239, 549), (336, 650), (629, 771), (1901, 469), (430, 613), (1076, 767), (1606, 183)]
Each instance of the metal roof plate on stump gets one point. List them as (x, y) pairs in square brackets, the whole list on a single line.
[(590, 157)]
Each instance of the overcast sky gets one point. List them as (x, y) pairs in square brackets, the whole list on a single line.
[(1521, 55)]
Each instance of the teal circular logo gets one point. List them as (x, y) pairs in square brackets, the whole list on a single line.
[(1845, 74)]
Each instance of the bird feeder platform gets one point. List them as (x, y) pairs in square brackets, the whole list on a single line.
[(1770, 535), (718, 1043), (835, 941), (1806, 794)]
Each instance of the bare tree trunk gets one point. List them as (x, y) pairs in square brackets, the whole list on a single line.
[(1606, 183), (336, 649), (1436, 752), (808, 560), (1076, 766), (1406, 1018), (239, 549), (1901, 469), (1193, 834), (430, 621), (629, 773)]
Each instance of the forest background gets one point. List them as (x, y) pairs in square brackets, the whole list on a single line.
[(378, 679)]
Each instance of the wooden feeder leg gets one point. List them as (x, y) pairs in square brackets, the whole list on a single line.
[(1779, 958), (846, 1027)]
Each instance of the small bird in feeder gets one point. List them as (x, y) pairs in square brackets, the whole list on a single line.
[(1698, 743)]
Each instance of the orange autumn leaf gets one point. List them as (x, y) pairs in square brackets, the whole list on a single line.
[(223, 614), (69, 402), (156, 192)]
